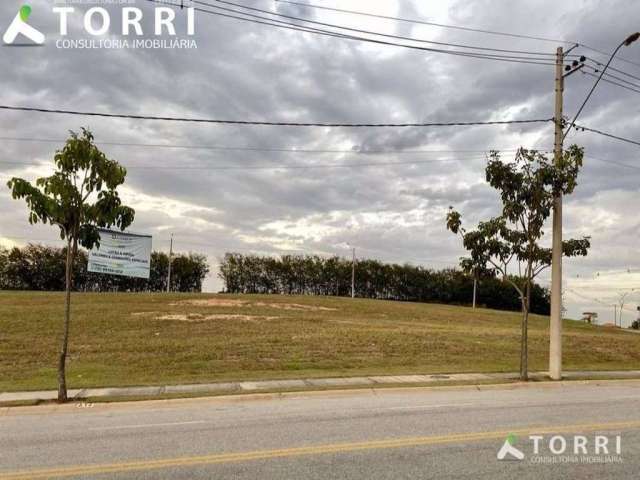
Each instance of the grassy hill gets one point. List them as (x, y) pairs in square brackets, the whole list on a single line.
[(138, 339)]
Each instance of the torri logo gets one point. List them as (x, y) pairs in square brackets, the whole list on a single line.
[(508, 451), (20, 28), (98, 29)]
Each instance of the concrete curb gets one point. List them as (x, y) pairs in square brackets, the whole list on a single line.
[(301, 384)]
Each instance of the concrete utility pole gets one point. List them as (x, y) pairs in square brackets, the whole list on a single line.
[(353, 274), (475, 288), (169, 271), (555, 326)]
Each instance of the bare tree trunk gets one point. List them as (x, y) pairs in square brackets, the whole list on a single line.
[(62, 381)]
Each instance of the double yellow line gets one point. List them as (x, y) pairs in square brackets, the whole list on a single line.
[(219, 458)]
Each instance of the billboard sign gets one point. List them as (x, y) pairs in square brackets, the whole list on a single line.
[(121, 254)]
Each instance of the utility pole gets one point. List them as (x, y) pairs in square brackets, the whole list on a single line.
[(169, 270), (555, 326), (475, 288), (353, 274)]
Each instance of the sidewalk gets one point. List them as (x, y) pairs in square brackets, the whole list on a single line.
[(302, 384)]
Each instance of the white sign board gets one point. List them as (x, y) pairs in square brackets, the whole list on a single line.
[(121, 254)]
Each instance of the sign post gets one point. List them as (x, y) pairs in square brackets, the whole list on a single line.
[(121, 253)]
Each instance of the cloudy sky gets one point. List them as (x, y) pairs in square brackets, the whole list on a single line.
[(248, 71)]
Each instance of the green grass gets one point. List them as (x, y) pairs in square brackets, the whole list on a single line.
[(118, 340)]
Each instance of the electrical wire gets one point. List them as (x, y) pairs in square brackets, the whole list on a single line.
[(613, 162), (310, 166), (457, 27), (600, 132), (368, 32), (251, 122), (273, 167), (612, 68), (290, 26), (603, 79), (599, 301), (614, 79), (255, 149), (424, 22)]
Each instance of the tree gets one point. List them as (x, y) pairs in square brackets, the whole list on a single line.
[(315, 275), (78, 198), (527, 188)]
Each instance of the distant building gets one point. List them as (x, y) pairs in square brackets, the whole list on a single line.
[(589, 317)]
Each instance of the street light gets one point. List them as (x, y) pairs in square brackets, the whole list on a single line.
[(628, 41), (555, 324)]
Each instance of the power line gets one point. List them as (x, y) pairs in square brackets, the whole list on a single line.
[(308, 166), (630, 62), (615, 77), (614, 69), (606, 78), (617, 272), (368, 32), (251, 122), (256, 149), (599, 301), (457, 27), (424, 22), (628, 41), (612, 82), (486, 56), (291, 26), (613, 162), (600, 132), (274, 167)]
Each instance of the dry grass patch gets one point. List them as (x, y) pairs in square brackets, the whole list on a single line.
[(197, 317), (210, 302), (225, 302), (296, 306), (122, 339)]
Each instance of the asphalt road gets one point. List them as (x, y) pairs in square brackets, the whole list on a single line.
[(388, 433)]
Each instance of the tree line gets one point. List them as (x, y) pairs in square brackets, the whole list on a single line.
[(40, 267), (316, 275)]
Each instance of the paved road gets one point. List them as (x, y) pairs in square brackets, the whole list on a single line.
[(390, 434)]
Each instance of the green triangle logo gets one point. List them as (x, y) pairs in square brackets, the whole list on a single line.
[(25, 12)]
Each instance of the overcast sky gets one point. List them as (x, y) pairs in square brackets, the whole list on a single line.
[(396, 213)]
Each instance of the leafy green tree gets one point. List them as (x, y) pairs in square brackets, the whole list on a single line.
[(315, 275), (188, 272), (78, 198), (527, 188)]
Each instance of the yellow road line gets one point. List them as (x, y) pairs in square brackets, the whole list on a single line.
[(311, 450)]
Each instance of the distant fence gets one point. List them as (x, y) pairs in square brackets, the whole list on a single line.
[(315, 275)]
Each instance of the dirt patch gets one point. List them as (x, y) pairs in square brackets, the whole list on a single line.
[(295, 306), (226, 302), (211, 302), (142, 314), (197, 317)]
